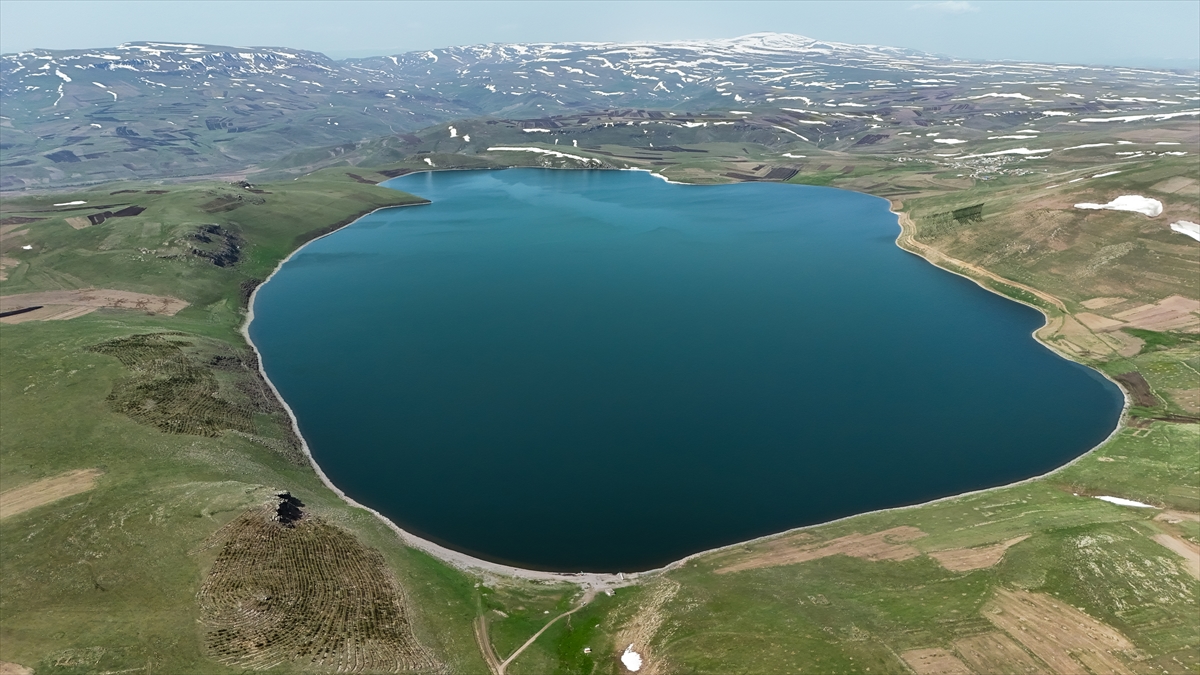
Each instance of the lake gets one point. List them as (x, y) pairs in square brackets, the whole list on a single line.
[(601, 371)]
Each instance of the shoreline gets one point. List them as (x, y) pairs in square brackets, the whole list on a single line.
[(598, 581), (602, 581)]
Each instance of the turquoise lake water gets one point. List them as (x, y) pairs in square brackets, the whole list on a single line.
[(597, 370)]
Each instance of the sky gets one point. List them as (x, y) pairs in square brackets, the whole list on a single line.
[(1143, 33)]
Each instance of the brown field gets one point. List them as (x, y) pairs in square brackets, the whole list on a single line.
[(885, 545), (6, 264), (1173, 185), (1189, 551), (1069, 641), (9, 668), (967, 559), (1097, 322), (1177, 516), (91, 298), (21, 499), (49, 313), (1100, 303), (308, 594), (997, 653), (1139, 389), (1172, 313), (934, 662)]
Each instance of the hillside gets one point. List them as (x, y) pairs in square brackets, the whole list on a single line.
[(156, 110)]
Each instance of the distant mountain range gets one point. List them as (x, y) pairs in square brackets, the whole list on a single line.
[(157, 109)]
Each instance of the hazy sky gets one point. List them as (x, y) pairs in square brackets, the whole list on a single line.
[(1165, 34)]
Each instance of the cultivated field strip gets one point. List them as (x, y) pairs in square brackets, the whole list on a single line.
[(176, 390), (308, 594)]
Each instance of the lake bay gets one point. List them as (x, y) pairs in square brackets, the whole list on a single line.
[(597, 370)]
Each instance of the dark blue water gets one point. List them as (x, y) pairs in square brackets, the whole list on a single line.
[(579, 370)]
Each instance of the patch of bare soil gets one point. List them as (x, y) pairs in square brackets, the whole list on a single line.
[(1173, 313), (997, 653), (307, 594), (6, 264), (981, 557), (645, 624), (1188, 399), (1097, 322), (934, 662), (1100, 303), (1071, 337), (8, 221), (9, 226), (1177, 517), (1189, 551), (79, 222), (91, 298), (885, 545), (1138, 388), (21, 499), (10, 668), (1173, 185), (1069, 641), (47, 313)]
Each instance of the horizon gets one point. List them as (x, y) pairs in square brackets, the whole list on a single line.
[(1064, 33), (1195, 66)]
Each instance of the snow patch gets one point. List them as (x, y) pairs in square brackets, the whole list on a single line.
[(1135, 118), (1107, 173), (62, 75), (70, 203), (453, 132), (1014, 151), (541, 151), (1023, 97), (949, 141), (792, 133), (1087, 145), (631, 660), (1187, 228), (1134, 203), (1125, 502)]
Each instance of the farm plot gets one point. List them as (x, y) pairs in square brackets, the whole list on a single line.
[(308, 594), (169, 389), (184, 385)]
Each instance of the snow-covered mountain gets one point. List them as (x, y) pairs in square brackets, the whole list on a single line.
[(150, 108)]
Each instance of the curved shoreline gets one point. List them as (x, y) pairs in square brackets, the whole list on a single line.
[(600, 581)]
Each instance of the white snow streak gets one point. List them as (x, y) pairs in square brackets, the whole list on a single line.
[(1187, 228), (1125, 502), (1135, 203)]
